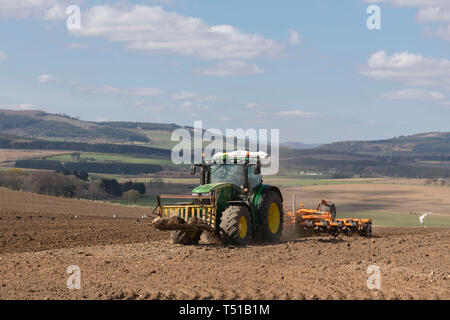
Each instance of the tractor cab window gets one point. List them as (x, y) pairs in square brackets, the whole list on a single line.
[(234, 174), (254, 180), (230, 173)]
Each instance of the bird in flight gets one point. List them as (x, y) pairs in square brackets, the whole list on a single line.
[(422, 217)]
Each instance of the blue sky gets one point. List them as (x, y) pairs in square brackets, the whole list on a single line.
[(309, 68)]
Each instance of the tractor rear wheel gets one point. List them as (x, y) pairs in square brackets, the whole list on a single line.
[(271, 214), (236, 225), (185, 238)]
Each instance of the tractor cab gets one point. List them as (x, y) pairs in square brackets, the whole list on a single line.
[(239, 168)]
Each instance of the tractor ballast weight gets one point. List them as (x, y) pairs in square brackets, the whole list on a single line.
[(231, 201)]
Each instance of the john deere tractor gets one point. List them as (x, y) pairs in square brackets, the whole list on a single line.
[(231, 203)]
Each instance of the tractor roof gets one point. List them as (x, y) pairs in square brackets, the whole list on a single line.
[(239, 156)]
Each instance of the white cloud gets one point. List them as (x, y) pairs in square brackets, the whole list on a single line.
[(41, 9), (108, 90), (46, 78), (184, 95), (103, 89), (413, 95), (155, 30), (296, 113), (2, 55), (428, 11), (408, 68), (294, 37), (56, 12), (23, 106), (253, 105), (230, 68), (189, 106)]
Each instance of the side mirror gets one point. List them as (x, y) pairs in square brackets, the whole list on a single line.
[(257, 169), (193, 170)]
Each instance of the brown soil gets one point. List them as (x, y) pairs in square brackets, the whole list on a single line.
[(9, 155), (126, 258)]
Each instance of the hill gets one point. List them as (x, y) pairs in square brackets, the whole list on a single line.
[(418, 145), (42, 125), (299, 145), (425, 155)]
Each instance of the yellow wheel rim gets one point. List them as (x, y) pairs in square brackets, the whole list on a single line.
[(242, 227), (274, 218)]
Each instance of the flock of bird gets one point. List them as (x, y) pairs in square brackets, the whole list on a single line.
[(421, 218)]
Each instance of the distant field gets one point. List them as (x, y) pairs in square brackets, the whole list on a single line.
[(159, 139), (104, 157), (145, 202), (142, 202), (409, 201), (306, 182), (9, 155), (386, 219)]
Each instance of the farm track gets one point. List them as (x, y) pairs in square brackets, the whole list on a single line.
[(125, 258)]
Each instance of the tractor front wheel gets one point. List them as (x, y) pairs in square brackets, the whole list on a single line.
[(236, 225), (185, 238)]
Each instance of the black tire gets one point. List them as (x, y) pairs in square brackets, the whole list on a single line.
[(230, 229), (185, 238), (334, 232), (269, 198), (211, 237), (366, 231), (348, 232)]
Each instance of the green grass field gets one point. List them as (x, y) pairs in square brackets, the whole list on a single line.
[(103, 157), (385, 219), (307, 182), (145, 202)]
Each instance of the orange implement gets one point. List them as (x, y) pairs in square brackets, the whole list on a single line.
[(325, 221)]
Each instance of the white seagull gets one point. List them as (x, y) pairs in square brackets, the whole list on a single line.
[(422, 217)]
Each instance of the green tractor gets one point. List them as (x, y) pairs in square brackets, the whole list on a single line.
[(231, 203)]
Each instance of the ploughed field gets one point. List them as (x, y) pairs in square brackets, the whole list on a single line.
[(125, 258)]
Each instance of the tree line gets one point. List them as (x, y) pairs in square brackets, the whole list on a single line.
[(92, 167), (8, 142), (66, 184)]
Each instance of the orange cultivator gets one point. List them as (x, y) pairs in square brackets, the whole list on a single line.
[(323, 220)]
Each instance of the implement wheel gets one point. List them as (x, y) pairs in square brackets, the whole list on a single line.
[(272, 215), (334, 232), (348, 232), (236, 225), (366, 231), (185, 238)]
